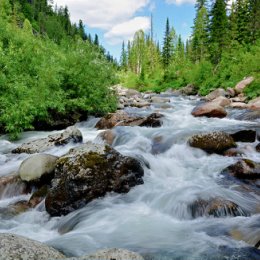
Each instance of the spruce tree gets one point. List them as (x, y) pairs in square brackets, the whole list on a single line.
[(200, 32), (123, 58), (218, 30), (243, 21), (166, 53)]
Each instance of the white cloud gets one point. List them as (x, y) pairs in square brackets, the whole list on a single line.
[(108, 15), (180, 2), (126, 30)]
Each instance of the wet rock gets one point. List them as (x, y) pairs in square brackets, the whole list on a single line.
[(239, 105), (217, 207), (248, 136), (189, 90), (239, 88), (215, 142), (232, 152), (38, 196), (36, 166), (12, 185), (111, 254), (241, 99), (89, 172), (220, 92), (254, 104), (161, 144), (107, 136), (121, 118), (209, 109), (13, 247), (71, 134), (249, 115), (244, 169), (258, 148), (157, 99), (153, 120), (221, 101), (14, 209)]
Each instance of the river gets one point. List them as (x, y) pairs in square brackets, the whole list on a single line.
[(153, 219)]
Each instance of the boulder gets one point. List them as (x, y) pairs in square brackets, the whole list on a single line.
[(217, 207), (12, 185), (215, 142), (240, 99), (89, 172), (189, 90), (209, 109), (13, 247), (247, 136), (121, 118), (219, 92), (231, 92), (111, 254), (37, 166), (254, 104), (244, 169), (71, 134), (239, 88), (238, 105), (221, 101), (107, 136), (157, 99)]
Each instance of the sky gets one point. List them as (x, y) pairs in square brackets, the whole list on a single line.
[(115, 21)]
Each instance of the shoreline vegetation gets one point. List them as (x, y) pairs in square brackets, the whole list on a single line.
[(53, 74)]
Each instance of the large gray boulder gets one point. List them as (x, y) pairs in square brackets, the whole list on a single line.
[(111, 254), (71, 134), (214, 142), (209, 109), (89, 172), (34, 167), (13, 247)]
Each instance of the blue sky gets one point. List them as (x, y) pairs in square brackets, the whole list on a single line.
[(117, 20)]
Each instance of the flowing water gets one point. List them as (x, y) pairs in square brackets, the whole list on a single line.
[(155, 218)]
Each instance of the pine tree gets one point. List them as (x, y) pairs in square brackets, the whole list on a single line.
[(254, 14), (166, 53), (200, 32), (243, 22), (233, 23), (218, 30), (123, 58), (96, 40)]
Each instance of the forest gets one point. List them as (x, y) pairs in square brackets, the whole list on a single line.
[(223, 49), (49, 66)]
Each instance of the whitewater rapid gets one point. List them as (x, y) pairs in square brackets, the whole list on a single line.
[(153, 219)]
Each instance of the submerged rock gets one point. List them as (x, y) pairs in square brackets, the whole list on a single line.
[(215, 142), (12, 185), (249, 115), (217, 207), (13, 247), (121, 118), (209, 109), (248, 136), (110, 254), (89, 172), (36, 166), (244, 169), (107, 136), (71, 134), (157, 99), (258, 148)]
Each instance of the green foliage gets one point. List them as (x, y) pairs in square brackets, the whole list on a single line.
[(38, 76)]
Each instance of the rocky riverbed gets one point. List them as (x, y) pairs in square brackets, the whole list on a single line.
[(167, 176)]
